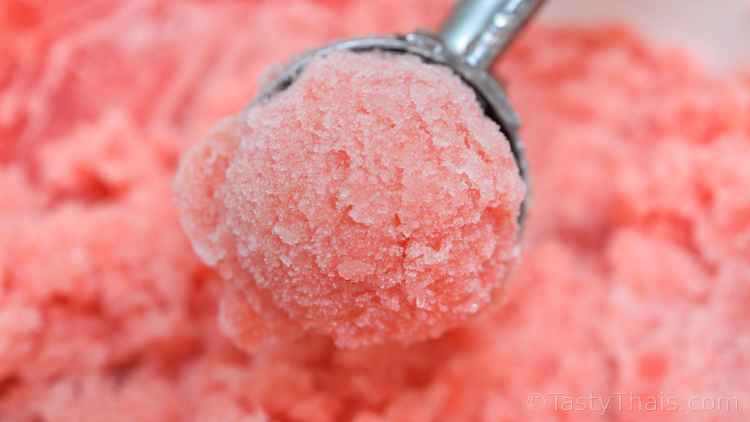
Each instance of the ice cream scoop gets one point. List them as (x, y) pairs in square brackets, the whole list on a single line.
[(372, 193), (473, 36)]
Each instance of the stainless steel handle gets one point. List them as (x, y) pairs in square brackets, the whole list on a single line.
[(480, 30)]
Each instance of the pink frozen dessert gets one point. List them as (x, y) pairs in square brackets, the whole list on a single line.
[(631, 304), (371, 201)]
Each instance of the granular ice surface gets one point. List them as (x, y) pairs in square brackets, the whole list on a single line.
[(370, 201), (634, 284)]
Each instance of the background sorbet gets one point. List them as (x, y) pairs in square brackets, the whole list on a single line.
[(635, 279), (370, 201)]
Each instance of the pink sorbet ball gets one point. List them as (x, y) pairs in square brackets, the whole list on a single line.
[(371, 201)]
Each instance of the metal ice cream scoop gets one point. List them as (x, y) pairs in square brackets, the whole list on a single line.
[(475, 34)]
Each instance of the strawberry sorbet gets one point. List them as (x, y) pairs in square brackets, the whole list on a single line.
[(371, 200), (631, 302)]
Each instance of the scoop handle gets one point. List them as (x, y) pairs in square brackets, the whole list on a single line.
[(480, 30)]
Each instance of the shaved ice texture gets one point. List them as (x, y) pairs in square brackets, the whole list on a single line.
[(634, 284), (370, 201)]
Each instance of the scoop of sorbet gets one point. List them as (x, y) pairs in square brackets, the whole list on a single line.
[(371, 201)]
